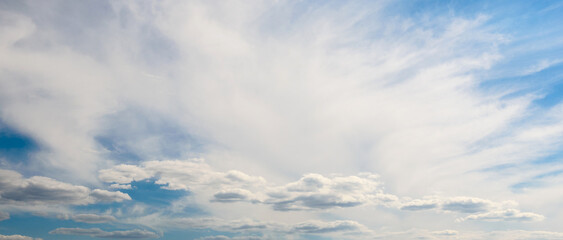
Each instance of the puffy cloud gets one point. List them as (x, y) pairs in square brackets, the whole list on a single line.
[(506, 215), (177, 175), (93, 218), (310, 192), (15, 189), (314, 191), (96, 232), (122, 174)]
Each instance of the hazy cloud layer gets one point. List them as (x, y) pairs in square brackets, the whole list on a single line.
[(506, 215), (93, 218), (254, 226), (98, 233), (4, 216), (222, 237)]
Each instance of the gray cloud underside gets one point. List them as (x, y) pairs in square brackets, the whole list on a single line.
[(15, 189)]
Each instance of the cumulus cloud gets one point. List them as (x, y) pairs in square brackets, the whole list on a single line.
[(93, 218), (15, 189), (314, 191), (177, 175), (310, 192), (98, 233)]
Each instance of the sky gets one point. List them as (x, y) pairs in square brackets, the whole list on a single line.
[(224, 120)]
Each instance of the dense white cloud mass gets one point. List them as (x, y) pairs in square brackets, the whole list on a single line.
[(344, 120)]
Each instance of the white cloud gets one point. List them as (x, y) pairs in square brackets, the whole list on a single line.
[(420, 204), (98, 233), (506, 215), (278, 89), (93, 218), (310, 192), (328, 227), (120, 186), (17, 190), (17, 237), (338, 227)]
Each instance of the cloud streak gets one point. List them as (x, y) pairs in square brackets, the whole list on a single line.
[(98, 233)]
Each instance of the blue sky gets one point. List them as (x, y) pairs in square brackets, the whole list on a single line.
[(281, 120)]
